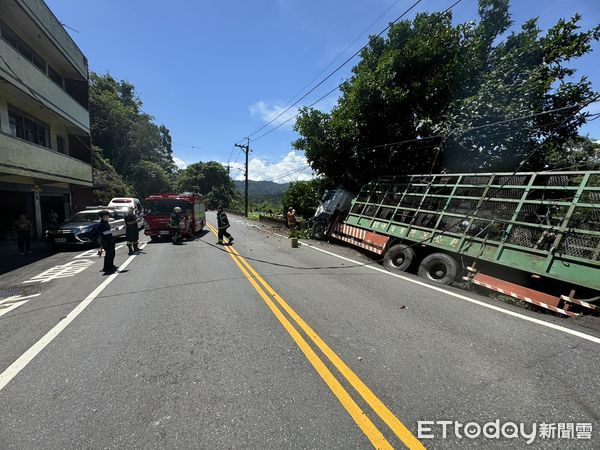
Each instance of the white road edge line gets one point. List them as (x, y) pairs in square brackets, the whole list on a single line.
[(32, 352), (579, 334)]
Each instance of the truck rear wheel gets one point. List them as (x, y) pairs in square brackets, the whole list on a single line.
[(439, 267), (398, 258), (319, 229)]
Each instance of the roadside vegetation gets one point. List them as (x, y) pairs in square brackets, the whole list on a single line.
[(420, 99)]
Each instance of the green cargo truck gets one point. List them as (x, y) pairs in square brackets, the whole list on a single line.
[(533, 236)]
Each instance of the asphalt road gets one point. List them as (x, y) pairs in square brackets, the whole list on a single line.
[(259, 345)]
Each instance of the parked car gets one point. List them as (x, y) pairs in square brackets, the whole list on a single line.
[(122, 204), (72, 232)]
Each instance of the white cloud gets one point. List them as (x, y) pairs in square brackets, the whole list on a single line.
[(180, 163), (292, 167), (267, 112)]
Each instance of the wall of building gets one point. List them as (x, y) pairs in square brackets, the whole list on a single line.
[(18, 157), (47, 21), (29, 79), (35, 179), (58, 125)]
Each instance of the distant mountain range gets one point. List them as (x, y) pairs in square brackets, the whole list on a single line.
[(262, 190)]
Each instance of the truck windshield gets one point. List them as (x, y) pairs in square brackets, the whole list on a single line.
[(165, 206), (328, 195)]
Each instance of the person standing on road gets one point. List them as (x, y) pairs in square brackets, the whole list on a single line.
[(189, 222), (175, 224), (52, 220), (223, 224), (291, 218), (132, 233), (22, 228), (107, 240)]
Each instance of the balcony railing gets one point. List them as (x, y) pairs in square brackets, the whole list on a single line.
[(21, 73), (19, 157), (47, 21)]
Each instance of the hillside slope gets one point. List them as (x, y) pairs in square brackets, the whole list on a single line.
[(262, 190)]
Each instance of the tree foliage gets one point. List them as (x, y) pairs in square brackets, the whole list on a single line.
[(305, 196), (211, 180), (137, 148), (150, 177), (107, 182), (428, 81)]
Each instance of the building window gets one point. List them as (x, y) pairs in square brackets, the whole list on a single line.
[(60, 145), (19, 44), (26, 127), (55, 76)]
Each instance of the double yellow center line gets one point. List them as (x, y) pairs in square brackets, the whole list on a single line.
[(277, 305)]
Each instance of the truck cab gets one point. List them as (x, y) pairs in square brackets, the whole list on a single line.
[(334, 203)]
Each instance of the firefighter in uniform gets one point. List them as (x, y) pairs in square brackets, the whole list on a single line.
[(223, 224), (132, 233), (107, 240), (175, 224)]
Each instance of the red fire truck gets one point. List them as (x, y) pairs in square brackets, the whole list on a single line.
[(159, 208)]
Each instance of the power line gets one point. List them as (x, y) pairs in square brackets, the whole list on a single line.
[(333, 61), (296, 115), (337, 69), (466, 130), (478, 127), (337, 87), (304, 167), (506, 181)]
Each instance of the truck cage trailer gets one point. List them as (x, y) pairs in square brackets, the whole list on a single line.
[(539, 230)]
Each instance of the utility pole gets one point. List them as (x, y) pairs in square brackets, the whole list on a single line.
[(246, 149)]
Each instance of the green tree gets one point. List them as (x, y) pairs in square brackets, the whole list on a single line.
[(211, 180), (107, 182), (429, 79), (126, 134), (150, 177), (526, 75), (577, 153), (305, 196)]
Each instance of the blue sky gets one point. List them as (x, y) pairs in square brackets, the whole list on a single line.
[(215, 71)]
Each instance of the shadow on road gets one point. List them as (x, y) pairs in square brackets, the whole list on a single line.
[(168, 239), (10, 259)]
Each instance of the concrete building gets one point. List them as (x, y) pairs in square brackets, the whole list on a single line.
[(45, 158)]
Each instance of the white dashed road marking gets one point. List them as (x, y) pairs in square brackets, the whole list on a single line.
[(10, 303), (34, 350)]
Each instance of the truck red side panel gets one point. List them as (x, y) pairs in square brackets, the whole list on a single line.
[(368, 240)]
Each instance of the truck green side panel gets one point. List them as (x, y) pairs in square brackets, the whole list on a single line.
[(547, 223)]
